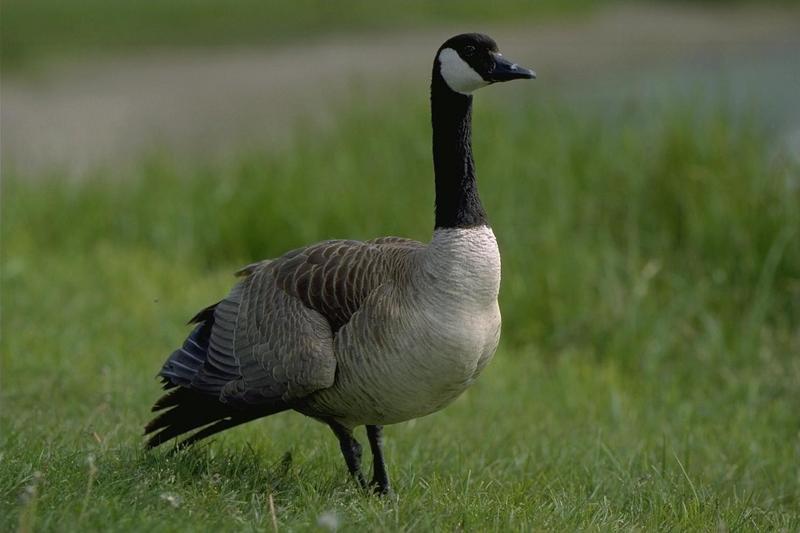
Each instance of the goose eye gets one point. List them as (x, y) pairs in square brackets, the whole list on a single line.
[(469, 50)]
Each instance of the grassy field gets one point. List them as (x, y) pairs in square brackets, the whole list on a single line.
[(648, 376)]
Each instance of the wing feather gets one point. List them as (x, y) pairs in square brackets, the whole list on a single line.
[(272, 337)]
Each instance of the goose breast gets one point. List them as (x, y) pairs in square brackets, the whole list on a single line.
[(412, 349)]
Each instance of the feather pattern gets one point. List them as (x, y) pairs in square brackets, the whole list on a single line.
[(417, 342), (271, 340)]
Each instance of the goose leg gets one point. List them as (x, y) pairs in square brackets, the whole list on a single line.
[(351, 450), (380, 478)]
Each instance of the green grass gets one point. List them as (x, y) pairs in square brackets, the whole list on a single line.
[(36, 29), (647, 378)]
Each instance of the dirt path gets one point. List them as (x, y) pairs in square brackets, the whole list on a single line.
[(188, 102)]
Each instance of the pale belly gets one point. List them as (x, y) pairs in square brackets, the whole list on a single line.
[(412, 366)]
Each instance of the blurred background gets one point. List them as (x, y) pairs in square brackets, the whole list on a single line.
[(93, 82), (645, 191)]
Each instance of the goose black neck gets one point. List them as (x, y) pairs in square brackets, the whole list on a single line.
[(457, 202)]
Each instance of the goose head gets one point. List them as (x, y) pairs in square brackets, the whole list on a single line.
[(472, 60)]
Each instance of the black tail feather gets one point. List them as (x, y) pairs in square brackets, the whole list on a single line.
[(169, 399), (188, 410), (222, 425), (204, 315)]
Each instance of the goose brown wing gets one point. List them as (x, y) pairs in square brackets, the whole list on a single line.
[(335, 277), (272, 336), (258, 345)]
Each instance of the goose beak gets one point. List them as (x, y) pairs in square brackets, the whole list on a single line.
[(505, 70)]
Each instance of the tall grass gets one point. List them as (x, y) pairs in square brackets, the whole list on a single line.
[(604, 218), (648, 374)]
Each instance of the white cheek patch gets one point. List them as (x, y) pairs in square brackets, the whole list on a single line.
[(457, 73)]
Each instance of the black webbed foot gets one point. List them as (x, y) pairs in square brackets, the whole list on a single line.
[(381, 488)]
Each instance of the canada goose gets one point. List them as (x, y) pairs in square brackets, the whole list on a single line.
[(358, 333)]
